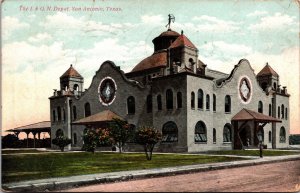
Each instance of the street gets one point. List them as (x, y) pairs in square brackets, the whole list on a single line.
[(275, 177)]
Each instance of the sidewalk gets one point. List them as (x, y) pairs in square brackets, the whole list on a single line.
[(52, 184)]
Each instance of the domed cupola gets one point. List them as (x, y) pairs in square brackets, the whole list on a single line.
[(165, 39)]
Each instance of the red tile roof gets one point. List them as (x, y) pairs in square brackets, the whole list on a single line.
[(246, 114), (71, 72), (182, 40), (158, 59), (267, 70), (103, 116)]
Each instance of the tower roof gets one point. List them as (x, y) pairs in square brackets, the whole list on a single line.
[(182, 40), (169, 32), (267, 70), (71, 72)]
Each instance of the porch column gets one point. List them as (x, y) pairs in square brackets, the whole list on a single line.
[(33, 133), (39, 137), (27, 133)]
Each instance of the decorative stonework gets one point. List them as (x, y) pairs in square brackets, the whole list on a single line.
[(107, 91), (245, 89)]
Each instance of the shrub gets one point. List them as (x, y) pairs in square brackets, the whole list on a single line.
[(61, 142), (95, 137), (121, 132), (148, 137)]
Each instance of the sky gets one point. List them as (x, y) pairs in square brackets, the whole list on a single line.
[(40, 39)]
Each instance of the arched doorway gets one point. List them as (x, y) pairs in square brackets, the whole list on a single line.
[(245, 135)]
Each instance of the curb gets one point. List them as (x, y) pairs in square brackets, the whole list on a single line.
[(68, 182)]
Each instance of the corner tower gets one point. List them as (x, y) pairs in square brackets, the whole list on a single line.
[(71, 80)]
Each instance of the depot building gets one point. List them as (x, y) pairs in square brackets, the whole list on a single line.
[(195, 108)]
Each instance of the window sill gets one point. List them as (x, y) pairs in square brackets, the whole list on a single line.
[(207, 110), (227, 143), (201, 142), (227, 112), (214, 142), (214, 111), (200, 109)]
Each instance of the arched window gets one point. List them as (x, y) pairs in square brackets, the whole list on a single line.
[(169, 99), (192, 100), (179, 100), (264, 85), (53, 115), (75, 87), (282, 111), (74, 138), (282, 135), (159, 103), (200, 132), (270, 110), (64, 115), (74, 113), (59, 133), (149, 103), (227, 104), (169, 132), (214, 102), (130, 105), (274, 86), (58, 114), (207, 102), (87, 109), (278, 113), (260, 107), (227, 133), (270, 136), (286, 113), (200, 99), (214, 135)]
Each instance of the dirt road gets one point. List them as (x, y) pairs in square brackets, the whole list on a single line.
[(276, 177)]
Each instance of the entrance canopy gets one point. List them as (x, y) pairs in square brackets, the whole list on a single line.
[(248, 115), (99, 118)]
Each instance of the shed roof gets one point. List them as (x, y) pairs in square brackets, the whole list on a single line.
[(43, 126), (246, 114), (104, 116)]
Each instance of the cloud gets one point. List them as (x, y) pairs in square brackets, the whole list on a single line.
[(20, 55), (257, 13), (152, 19), (277, 21), (40, 37), (224, 50), (213, 24), (62, 22), (10, 24)]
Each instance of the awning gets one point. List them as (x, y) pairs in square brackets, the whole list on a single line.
[(248, 115), (44, 126), (104, 116)]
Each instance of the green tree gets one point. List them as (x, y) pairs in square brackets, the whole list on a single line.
[(148, 137), (61, 142), (121, 132), (95, 137)]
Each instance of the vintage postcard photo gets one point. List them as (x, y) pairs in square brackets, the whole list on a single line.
[(148, 96)]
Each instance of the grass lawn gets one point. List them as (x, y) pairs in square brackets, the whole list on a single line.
[(37, 166), (11, 151), (253, 152)]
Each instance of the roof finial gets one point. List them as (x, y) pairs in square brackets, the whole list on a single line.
[(171, 18), (181, 32), (267, 64), (71, 65)]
